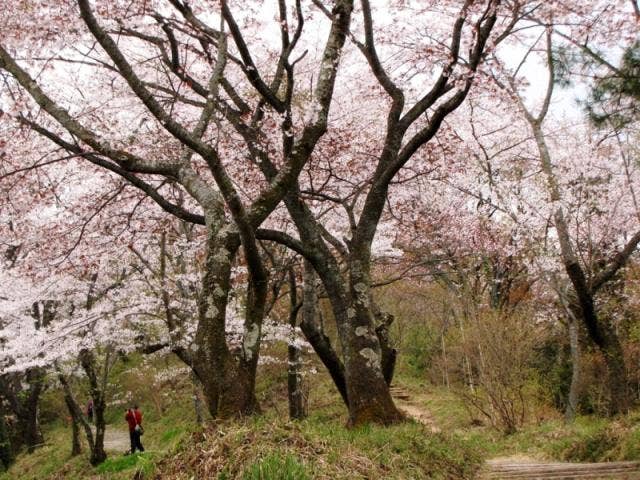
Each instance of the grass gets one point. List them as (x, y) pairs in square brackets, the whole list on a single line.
[(275, 467), (142, 463), (50, 461), (587, 439), (320, 447)]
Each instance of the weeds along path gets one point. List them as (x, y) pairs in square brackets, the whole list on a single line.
[(404, 402), (515, 468)]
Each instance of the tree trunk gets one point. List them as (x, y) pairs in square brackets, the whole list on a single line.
[(76, 448), (228, 382), (98, 455), (389, 354), (97, 386), (617, 373), (576, 372), (297, 407), (295, 393), (367, 392), (313, 331), (6, 452), (601, 332), (28, 415), (77, 414), (367, 388), (197, 404)]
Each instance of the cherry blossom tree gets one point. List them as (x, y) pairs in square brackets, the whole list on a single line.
[(181, 106), (442, 69), (586, 284)]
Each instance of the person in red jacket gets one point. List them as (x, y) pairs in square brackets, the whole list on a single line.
[(134, 419)]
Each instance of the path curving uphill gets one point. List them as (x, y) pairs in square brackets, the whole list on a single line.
[(407, 406)]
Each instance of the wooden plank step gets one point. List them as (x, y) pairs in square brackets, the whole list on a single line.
[(568, 476), (556, 468), (587, 476), (560, 471)]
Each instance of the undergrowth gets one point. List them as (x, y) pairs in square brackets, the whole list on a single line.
[(320, 448), (268, 447)]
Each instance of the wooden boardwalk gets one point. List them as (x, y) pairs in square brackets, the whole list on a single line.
[(509, 469)]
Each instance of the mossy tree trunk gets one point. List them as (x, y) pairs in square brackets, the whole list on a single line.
[(228, 378)]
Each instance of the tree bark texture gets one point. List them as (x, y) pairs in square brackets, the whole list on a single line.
[(29, 425), (228, 382), (576, 372), (295, 382), (6, 451), (313, 331), (76, 448)]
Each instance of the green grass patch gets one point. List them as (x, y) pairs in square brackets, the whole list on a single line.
[(277, 466), (141, 462)]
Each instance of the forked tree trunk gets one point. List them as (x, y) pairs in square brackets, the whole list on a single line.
[(228, 381), (367, 392), (600, 332)]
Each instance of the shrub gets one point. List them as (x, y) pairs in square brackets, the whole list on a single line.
[(499, 349)]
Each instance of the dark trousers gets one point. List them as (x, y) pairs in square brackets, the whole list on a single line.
[(135, 441)]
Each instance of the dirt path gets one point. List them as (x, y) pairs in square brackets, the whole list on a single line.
[(526, 469), (404, 402), (115, 440)]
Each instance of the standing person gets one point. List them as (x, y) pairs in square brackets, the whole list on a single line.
[(90, 410), (134, 419)]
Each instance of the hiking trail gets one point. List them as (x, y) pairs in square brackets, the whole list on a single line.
[(520, 467), (404, 402), (115, 440)]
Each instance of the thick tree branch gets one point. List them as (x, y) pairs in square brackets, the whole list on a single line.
[(616, 263)]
